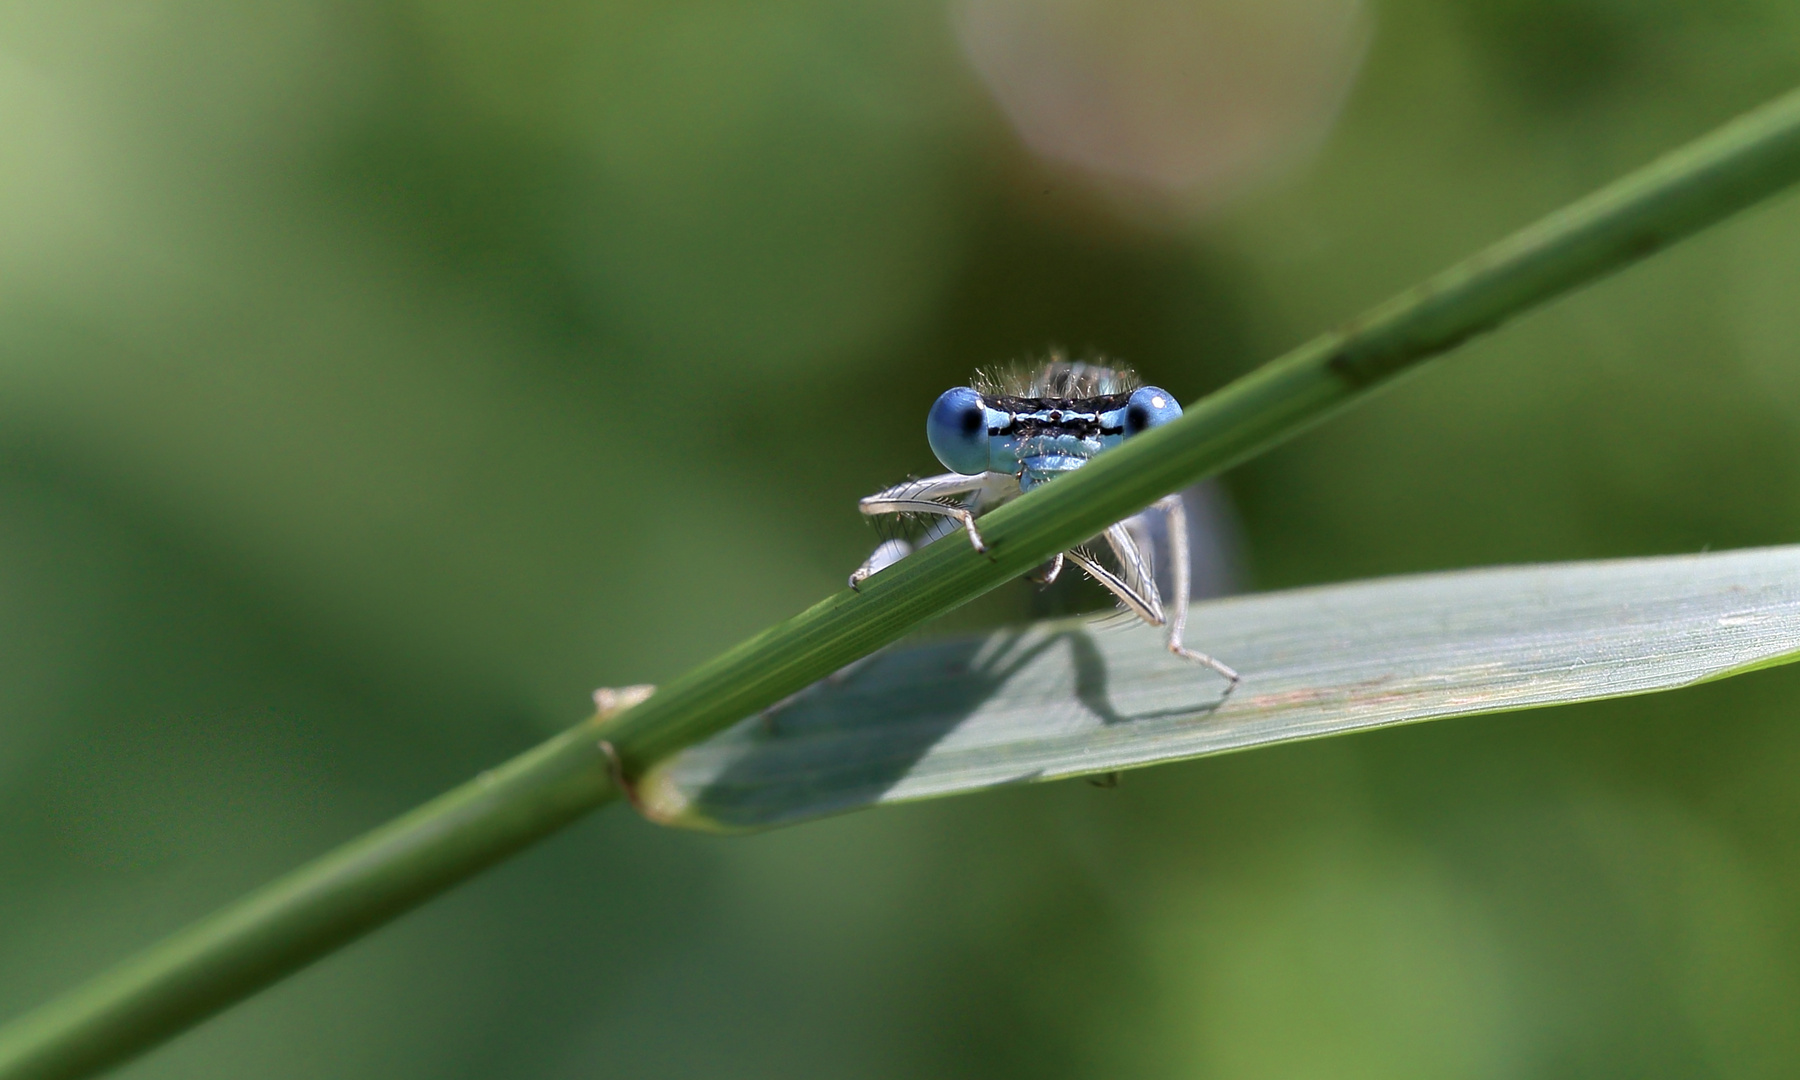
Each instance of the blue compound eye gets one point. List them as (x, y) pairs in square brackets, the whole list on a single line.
[(958, 433), (1150, 406)]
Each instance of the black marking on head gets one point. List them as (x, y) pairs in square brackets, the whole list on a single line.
[(1080, 417), (1137, 418)]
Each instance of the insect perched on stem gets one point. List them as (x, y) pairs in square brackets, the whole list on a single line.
[(1015, 430)]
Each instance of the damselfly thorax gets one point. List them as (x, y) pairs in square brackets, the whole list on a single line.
[(1015, 430)]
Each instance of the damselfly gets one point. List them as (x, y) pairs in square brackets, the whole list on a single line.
[(1014, 430)]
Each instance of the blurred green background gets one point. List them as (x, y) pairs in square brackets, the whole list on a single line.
[(377, 379)]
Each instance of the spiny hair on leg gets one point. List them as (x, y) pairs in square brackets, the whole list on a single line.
[(916, 527)]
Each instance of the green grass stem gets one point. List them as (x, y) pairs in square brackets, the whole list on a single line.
[(298, 918)]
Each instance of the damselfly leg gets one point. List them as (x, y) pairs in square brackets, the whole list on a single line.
[(1137, 590), (1174, 509), (922, 497), (1048, 573)]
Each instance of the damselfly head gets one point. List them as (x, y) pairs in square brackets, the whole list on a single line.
[(1040, 422)]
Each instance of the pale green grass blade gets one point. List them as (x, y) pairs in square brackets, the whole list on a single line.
[(1065, 698)]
